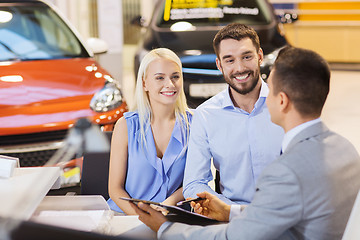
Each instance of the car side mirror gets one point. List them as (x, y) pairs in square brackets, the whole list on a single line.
[(138, 21), (97, 45)]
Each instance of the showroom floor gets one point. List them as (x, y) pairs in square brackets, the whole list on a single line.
[(341, 112)]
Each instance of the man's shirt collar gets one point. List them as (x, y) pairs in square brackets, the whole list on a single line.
[(227, 102), (293, 132)]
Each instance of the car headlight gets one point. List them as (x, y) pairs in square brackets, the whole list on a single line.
[(106, 99)]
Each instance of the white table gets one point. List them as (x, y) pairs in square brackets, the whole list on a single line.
[(130, 226), (81, 213), (21, 194)]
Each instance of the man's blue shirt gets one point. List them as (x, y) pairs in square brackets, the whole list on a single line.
[(240, 143)]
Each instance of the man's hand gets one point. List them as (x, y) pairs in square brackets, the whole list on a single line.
[(152, 218), (212, 207)]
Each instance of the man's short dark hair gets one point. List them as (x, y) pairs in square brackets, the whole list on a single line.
[(236, 31), (304, 76)]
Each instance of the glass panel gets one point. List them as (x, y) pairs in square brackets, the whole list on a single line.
[(35, 32)]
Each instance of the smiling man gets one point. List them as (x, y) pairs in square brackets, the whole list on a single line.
[(233, 128)]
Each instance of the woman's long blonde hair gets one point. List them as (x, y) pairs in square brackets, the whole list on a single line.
[(142, 103)]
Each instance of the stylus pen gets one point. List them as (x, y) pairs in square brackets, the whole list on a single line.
[(190, 200)]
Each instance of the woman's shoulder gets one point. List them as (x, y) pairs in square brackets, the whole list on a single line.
[(131, 115), (132, 121)]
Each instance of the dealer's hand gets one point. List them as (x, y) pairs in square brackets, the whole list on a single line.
[(152, 218), (212, 207)]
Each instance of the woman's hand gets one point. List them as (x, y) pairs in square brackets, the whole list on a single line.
[(152, 218)]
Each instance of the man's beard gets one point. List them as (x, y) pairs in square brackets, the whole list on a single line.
[(243, 91)]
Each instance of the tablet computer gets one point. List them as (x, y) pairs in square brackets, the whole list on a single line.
[(177, 214)]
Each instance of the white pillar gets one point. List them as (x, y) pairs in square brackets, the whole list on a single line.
[(110, 25), (77, 12), (147, 7)]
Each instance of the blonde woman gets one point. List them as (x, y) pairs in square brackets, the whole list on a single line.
[(149, 144)]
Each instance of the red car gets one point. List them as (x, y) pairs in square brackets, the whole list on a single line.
[(48, 80)]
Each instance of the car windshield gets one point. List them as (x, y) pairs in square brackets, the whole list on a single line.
[(213, 12), (34, 32)]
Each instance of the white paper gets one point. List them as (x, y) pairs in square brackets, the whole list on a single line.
[(93, 220)]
